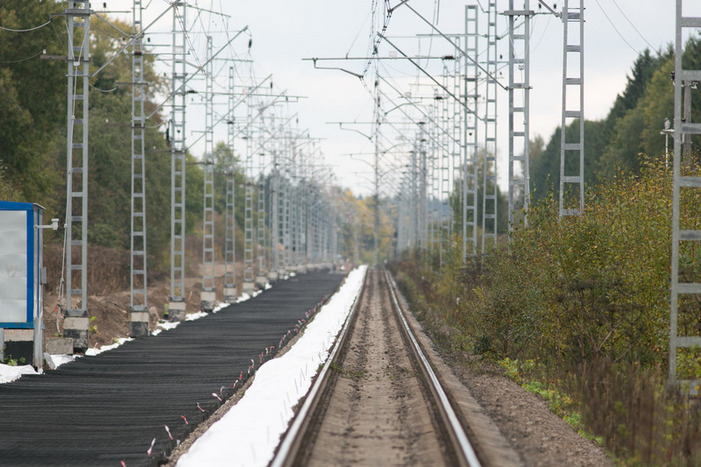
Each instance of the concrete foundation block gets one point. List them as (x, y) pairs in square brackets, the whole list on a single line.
[(249, 288), (176, 311), (139, 323), (80, 339), (76, 328), (139, 329), (77, 323), (58, 345), (208, 300), (229, 294)]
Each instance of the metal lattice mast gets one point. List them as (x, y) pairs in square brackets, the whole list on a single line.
[(297, 219), (274, 218), (261, 276), (489, 176), (176, 304), (76, 323), (209, 295), (434, 177), (423, 195), (470, 162), (300, 226), (293, 211), (248, 272), (230, 216), (413, 201), (457, 146), (138, 302), (458, 149), (683, 336), (519, 100), (444, 167), (572, 147), (286, 189)]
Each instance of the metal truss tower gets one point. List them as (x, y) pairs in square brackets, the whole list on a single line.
[(274, 218), (572, 146), (489, 185), (469, 163), (443, 162), (75, 325), (208, 298), (261, 270), (684, 336), (138, 301), (248, 272), (519, 101), (286, 222), (230, 217), (457, 145), (178, 149)]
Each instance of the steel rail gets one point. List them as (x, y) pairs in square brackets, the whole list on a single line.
[(464, 451), (296, 437), (289, 448)]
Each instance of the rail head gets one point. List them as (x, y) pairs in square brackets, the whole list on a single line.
[(464, 450), (289, 448)]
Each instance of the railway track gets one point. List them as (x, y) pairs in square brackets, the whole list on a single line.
[(377, 401)]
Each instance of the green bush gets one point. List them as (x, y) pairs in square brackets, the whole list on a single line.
[(586, 299)]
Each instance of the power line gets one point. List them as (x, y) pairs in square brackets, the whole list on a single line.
[(633, 25), (26, 30), (10, 62), (616, 29)]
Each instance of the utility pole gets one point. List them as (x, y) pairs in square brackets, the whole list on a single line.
[(76, 323), (489, 185), (444, 166), (274, 216), (261, 275), (457, 145), (178, 148), (230, 216), (685, 295), (138, 300), (519, 114), (423, 197), (286, 189), (376, 168), (208, 297), (572, 150), (248, 272), (469, 164)]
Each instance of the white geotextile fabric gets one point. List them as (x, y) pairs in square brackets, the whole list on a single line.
[(250, 431)]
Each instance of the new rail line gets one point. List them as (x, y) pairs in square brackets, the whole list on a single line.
[(377, 400)]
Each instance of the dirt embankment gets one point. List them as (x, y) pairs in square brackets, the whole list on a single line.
[(109, 295)]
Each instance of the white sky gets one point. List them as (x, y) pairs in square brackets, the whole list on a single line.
[(285, 31)]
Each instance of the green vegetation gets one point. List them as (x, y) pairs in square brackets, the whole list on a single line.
[(33, 149), (577, 310)]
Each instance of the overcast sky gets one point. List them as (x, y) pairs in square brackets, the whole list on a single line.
[(284, 32)]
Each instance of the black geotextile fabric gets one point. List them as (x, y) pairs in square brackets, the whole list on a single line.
[(106, 409)]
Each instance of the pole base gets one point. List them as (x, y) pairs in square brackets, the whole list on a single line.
[(76, 328), (230, 294), (139, 323), (176, 310), (208, 300)]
